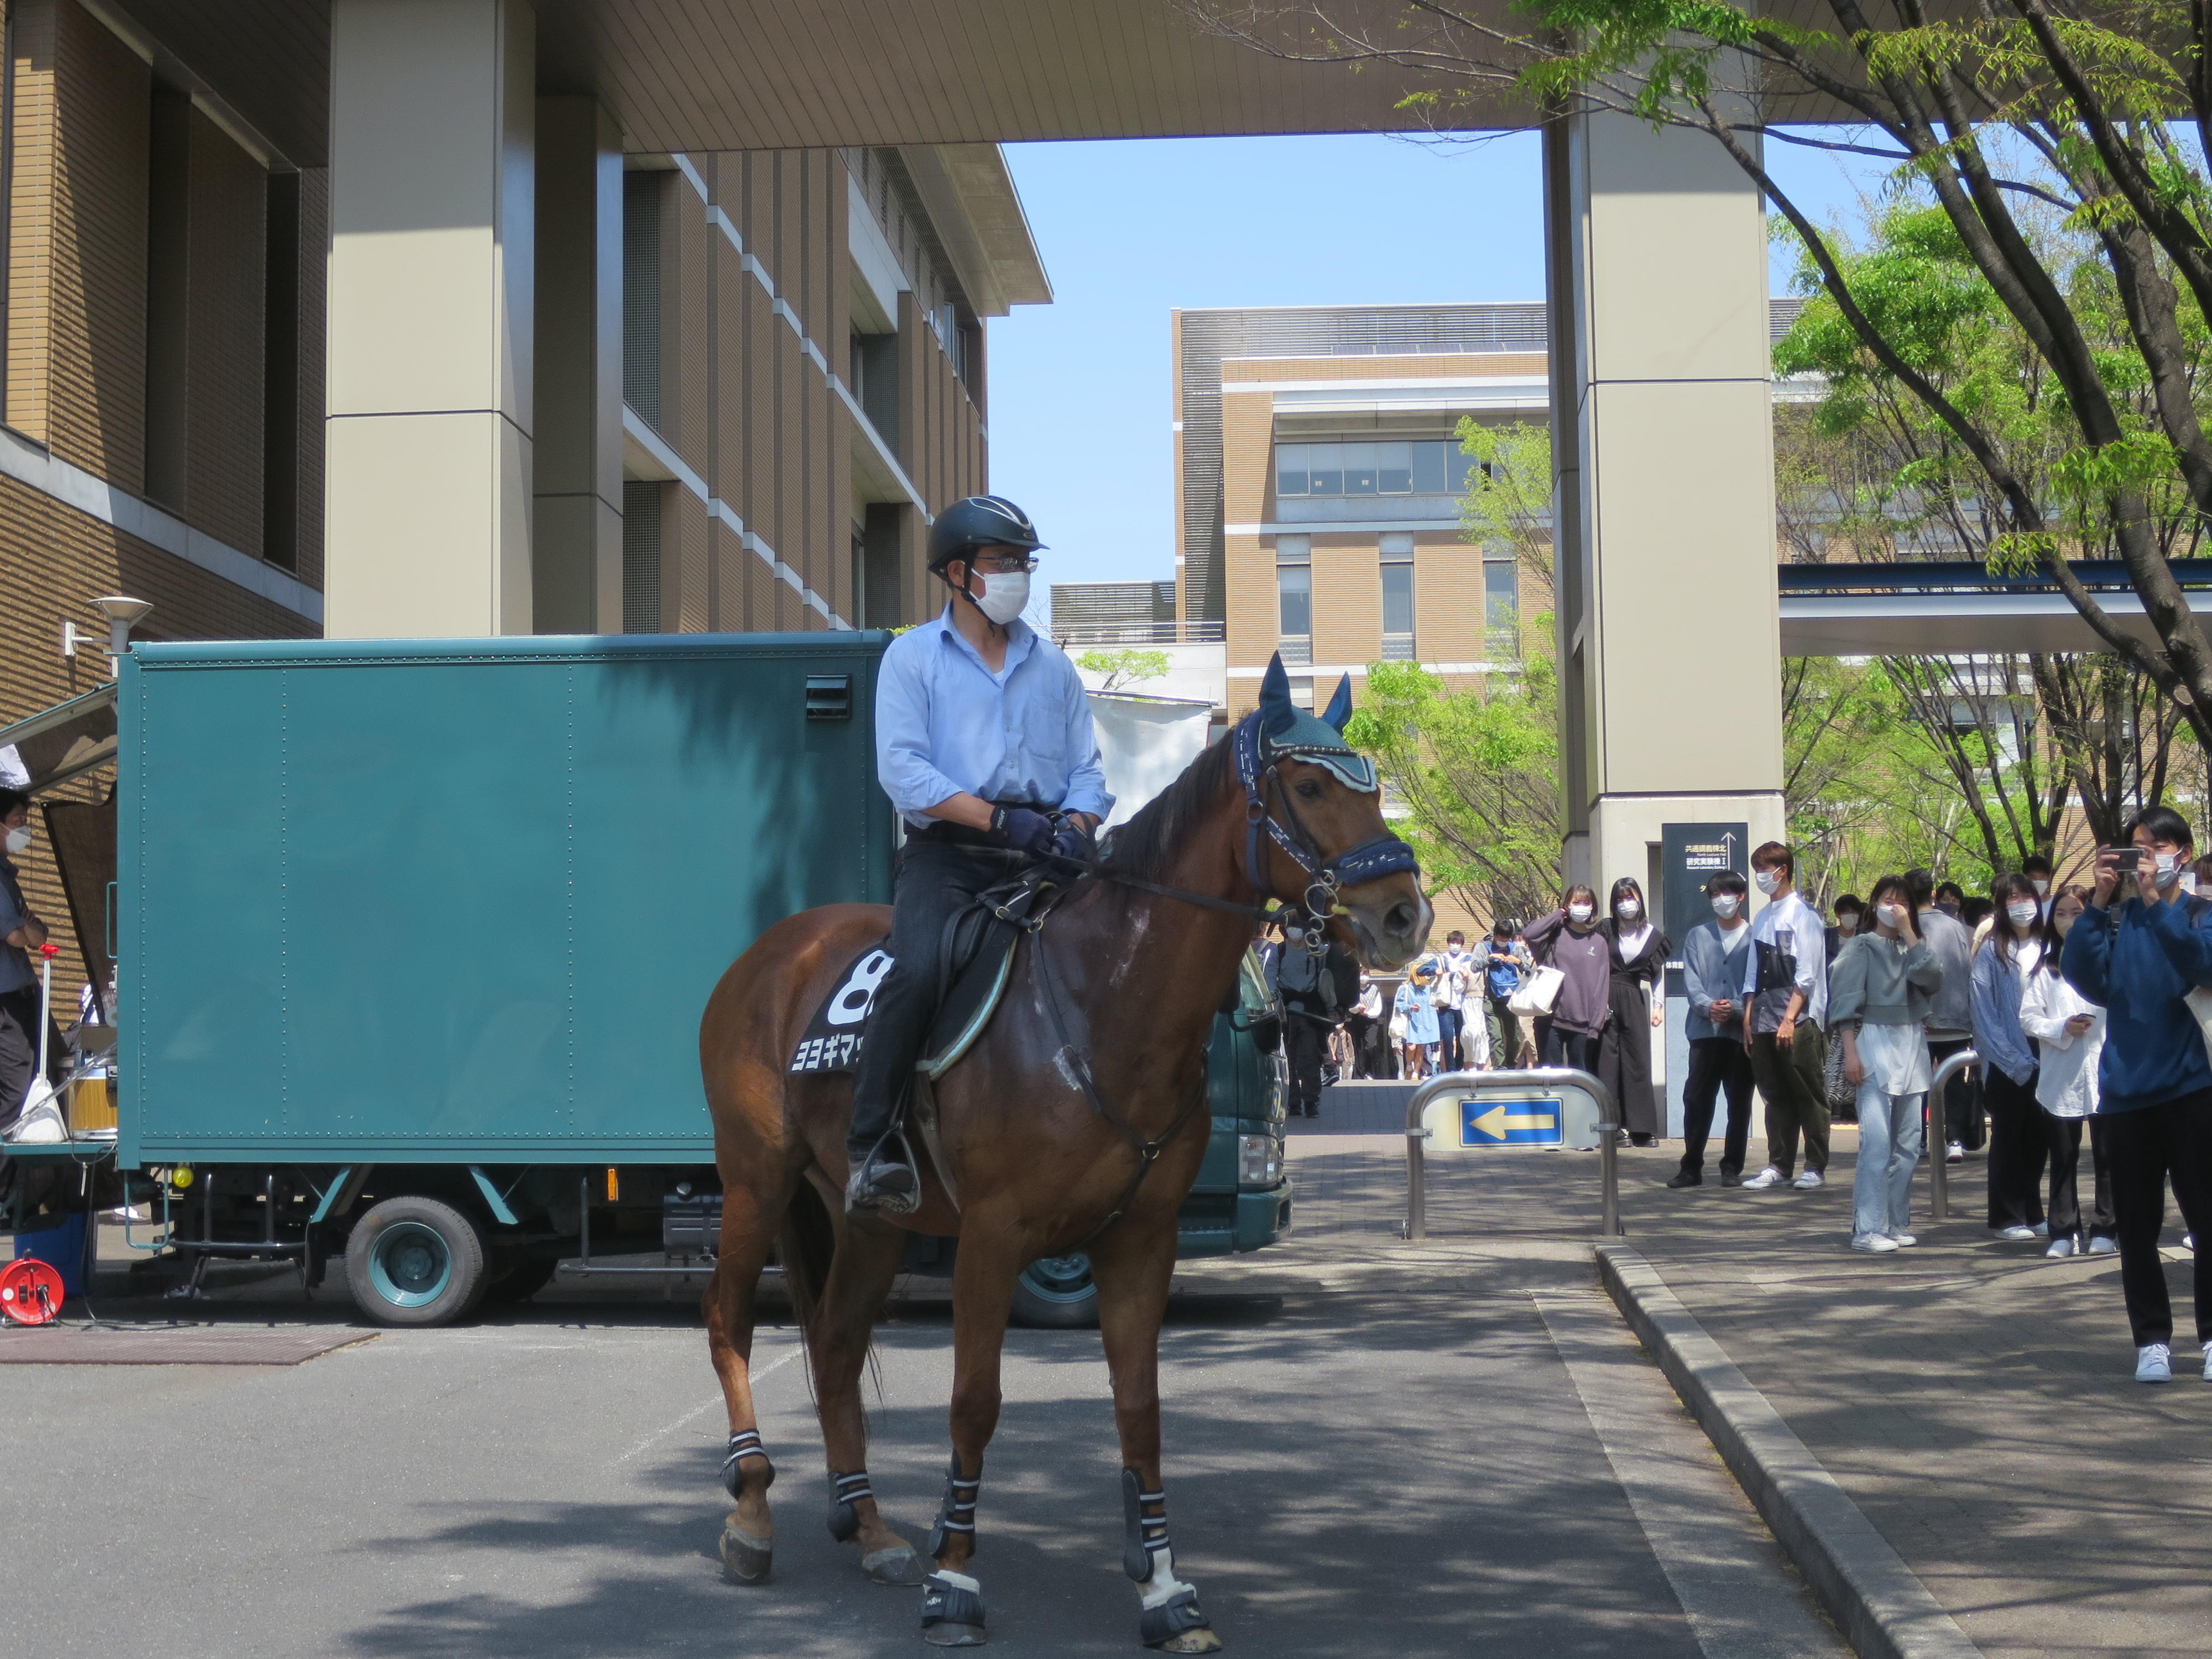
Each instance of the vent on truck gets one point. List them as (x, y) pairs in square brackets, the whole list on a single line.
[(828, 697)]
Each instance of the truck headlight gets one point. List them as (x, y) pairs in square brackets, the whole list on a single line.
[(1259, 1160)]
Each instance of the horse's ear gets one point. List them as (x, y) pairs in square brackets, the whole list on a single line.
[(1277, 712), (1339, 712)]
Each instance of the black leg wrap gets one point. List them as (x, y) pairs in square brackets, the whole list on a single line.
[(1178, 1614), (944, 1603), (957, 1514), (1144, 1527), (845, 1492), (745, 1442)]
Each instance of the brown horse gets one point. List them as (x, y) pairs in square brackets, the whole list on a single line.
[(1038, 1149)]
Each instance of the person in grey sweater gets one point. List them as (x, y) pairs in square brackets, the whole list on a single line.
[(1712, 969), (1951, 1012), (1880, 993)]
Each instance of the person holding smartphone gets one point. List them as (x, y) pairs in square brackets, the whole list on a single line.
[(2139, 959)]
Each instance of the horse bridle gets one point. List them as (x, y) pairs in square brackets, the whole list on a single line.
[(1381, 855)]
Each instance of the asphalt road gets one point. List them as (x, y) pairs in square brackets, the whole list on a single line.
[(1363, 1459)]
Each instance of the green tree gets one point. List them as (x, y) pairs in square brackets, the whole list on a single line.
[(1123, 669)]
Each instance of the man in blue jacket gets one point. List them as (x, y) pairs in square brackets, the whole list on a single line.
[(2154, 1084)]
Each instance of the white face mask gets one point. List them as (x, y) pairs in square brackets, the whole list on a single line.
[(1578, 912), (1725, 905), (1847, 924), (2022, 912), (2165, 868), (1766, 881), (2064, 924), (1628, 909), (1892, 915), (1005, 594), (19, 839), (2042, 888), (2189, 882)]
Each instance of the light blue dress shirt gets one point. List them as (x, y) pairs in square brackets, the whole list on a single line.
[(946, 723)]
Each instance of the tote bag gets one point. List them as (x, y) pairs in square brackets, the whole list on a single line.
[(1537, 992)]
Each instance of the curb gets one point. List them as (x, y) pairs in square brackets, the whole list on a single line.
[(1885, 1610)]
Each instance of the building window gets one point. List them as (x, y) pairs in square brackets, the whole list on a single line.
[(1501, 605), (1425, 468), (1397, 555), (642, 200), (1294, 598), (641, 555)]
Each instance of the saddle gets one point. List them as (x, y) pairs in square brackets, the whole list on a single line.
[(976, 958)]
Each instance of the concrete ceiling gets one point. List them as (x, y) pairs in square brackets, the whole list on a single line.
[(1943, 625)]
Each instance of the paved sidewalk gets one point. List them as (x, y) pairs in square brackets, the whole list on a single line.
[(1975, 1400)]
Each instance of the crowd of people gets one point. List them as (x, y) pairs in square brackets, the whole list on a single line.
[(2088, 1005)]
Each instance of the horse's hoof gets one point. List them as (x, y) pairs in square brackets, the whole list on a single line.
[(893, 1567), (1192, 1641), (954, 1636), (745, 1558)]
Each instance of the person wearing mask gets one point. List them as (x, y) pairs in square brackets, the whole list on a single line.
[(2069, 1032), (984, 745), (2018, 1146), (22, 933), (1637, 992), (1455, 968), (1362, 1022), (1568, 939), (1951, 1015), (2139, 961), (1951, 900), (2036, 869), (1848, 915), (1877, 1000), (1416, 1005), (1785, 992), (1712, 975), (1302, 979), (1504, 960)]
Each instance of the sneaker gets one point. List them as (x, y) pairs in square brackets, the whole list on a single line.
[(2060, 1248), (2189, 1241), (2154, 1363), (2041, 1230), (2014, 1235), (1731, 1175), (1880, 1243), (1682, 1178), (1953, 1152), (2104, 1245), (1810, 1180), (2208, 1362), (1769, 1176), (1904, 1241)]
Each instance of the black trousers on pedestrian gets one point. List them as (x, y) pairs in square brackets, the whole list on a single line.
[(1505, 1042), (1962, 1103), (19, 1050), (2064, 1137), (935, 882), (1306, 1040), (1561, 1047), (2171, 1141), (1795, 1083), (1716, 1063), (2019, 1148)]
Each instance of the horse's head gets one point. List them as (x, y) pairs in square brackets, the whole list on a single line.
[(1317, 834)]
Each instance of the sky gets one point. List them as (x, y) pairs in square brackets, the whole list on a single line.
[(1132, 230)]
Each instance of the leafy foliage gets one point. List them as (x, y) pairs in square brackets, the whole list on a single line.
[(1123, 669)]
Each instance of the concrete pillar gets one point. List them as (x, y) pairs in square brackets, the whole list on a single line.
[(432, 274), (577, 561), (1669, 630)]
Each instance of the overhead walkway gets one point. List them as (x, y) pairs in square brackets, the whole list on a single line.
[(1953, 609)]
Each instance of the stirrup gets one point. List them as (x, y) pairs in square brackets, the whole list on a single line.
[(881, 1153)]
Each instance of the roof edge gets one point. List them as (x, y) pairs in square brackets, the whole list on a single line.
[(969, 196)]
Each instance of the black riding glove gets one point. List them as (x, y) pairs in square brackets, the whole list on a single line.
[(1023, 830), (1074, 844)]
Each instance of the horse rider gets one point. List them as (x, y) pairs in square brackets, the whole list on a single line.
[(984, 743)]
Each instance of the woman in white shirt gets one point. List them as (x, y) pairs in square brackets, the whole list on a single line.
[(2070, 1031)]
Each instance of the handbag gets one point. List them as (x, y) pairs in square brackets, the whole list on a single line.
[(1537, 992), (1842, 1093), (1398, 1028)]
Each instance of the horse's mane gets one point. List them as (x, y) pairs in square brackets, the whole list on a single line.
[(1143, 845)]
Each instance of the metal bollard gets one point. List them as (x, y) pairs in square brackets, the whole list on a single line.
[(1932, 1131), (1542, 1077)]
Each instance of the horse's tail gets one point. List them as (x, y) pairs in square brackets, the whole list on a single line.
[(806, 1244)]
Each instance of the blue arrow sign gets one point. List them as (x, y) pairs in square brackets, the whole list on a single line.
[(1492, 1123)]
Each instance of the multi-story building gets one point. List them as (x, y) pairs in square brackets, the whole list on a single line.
[(718, 391)]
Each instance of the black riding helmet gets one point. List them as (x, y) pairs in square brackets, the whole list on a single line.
[(979, 521)]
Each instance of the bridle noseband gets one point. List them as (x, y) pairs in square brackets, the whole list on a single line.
[(1258, 770)]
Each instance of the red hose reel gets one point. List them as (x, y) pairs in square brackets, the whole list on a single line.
[(30, 1292)]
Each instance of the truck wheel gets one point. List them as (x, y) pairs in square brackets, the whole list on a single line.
[(414, 1261), (517, 1275), (1057, 1294)]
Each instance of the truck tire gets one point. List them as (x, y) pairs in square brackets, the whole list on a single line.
[(1057, 1294), (516, 1275), (414, 1261)]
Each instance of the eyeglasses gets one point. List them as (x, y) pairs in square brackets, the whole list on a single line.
[(1002, 565)]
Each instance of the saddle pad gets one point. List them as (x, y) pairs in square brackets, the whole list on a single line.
[(838, 1031)]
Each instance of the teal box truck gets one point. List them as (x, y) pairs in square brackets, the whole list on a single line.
[(420, 932)]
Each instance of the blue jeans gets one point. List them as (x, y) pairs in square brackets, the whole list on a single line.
[(1448, 1039), (1889, 1147)]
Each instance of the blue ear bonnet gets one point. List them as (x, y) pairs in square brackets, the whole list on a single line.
[(1288, 730)]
